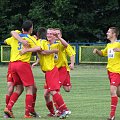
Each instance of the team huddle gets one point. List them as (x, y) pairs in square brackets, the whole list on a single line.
[(51, 51)]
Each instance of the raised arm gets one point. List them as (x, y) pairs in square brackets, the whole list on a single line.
[(64, 43), (16, 35)]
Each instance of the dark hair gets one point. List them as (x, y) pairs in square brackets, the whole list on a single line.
[(42, 33), (27, 25), (115, 30), (34, 32)]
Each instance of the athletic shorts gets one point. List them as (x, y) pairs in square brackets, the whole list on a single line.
[(52, 80), (9, 74), (22, 73), (114, 78), (64, 77)]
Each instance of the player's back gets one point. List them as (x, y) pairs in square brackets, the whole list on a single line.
[(16, 46)]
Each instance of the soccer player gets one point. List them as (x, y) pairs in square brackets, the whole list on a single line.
[(41, 35), (25, 43), (113, 66), (62, 64), (21, 71), (63, 67), (10, 85), (52, 86)]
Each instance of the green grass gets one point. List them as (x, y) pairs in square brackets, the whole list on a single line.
[(89, 98)]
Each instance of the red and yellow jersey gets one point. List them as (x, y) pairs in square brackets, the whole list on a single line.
[(113, 57), (60, 59), (46, 61), (16, 46)]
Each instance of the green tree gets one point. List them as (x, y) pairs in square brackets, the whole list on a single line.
[(81, 21)]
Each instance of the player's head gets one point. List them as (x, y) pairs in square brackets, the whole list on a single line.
[(112, 33), (27, 26), (42, 33), (50, 34), (58, 31)]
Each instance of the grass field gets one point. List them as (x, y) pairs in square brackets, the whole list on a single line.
[(89, 98)]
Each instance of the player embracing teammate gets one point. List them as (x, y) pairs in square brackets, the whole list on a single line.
[(48, 66)]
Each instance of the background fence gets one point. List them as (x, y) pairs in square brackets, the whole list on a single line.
[(84, 53)]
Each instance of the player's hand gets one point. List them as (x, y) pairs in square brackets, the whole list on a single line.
[(71, 66), (25, 43), (116, 49), (22, 52), (56, 35), (34, 64), (95, 51)]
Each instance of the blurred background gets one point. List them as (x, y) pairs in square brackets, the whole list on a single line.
[(80, 20)]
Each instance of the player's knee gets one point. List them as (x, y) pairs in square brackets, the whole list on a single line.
[(67, 88), (113, 92), (118, 93), (47, 97), (10, 90), (35, 90), (20, 90)]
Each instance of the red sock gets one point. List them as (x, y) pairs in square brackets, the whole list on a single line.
[(12, 100), (114, 101), (33, 103), (59, 101), (28, 102), (50, 107), (55, 104), (7, 99)]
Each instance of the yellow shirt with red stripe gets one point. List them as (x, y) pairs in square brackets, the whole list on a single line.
[(46, 61), (113, 57), (16, 46)]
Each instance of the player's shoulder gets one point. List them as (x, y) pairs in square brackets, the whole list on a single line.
[(18, 31)]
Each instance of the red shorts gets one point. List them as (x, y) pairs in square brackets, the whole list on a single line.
[(64, 77), (52, 80), (22, 73), (114, 78), (9, 74)]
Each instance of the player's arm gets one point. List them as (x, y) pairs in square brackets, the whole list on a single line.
[(16, 35), (72, 60), (64, 43), (34, 49), (71, 53), (5, 42), (96, 51), (47, 52), (116, 49), (37, 61)]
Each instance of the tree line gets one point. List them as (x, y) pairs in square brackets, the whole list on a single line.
[(80, 20)]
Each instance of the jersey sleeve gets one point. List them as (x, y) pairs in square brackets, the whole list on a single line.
[(104, 51), (18, 31), (70, 51), (8, 40)]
